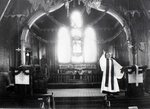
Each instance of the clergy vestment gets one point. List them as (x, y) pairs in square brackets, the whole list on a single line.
[(111, 72)]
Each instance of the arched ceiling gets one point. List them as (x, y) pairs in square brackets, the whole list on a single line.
[(61, 16), (126, 8), (26, 8), (103, 23)]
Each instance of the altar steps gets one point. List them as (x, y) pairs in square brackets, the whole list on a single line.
[(80, 98), (91, 98), (123, 101), (79, 102)]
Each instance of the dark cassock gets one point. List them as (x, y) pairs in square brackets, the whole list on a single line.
[(111, 72)]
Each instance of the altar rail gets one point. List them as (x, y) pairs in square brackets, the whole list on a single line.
[(74, 78)]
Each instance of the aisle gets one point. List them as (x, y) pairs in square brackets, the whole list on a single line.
[(78, 98), (78, 92)]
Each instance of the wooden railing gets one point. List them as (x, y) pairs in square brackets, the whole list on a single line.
[(71, 78)]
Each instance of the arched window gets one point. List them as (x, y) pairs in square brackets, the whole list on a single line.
[(76, 45), (90, 45), (63, 45)]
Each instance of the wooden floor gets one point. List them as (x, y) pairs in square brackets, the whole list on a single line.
[(78, 92), (78, 98), (92, 98), (81, 98)]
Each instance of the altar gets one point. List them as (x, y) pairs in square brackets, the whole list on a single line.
[(76, 74)]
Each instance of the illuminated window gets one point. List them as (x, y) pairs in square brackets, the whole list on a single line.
[(64, 45), (90, 46), (76, 19), (76, 45), (77, 59), (76, 32)]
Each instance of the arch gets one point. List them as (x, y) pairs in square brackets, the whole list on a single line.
[(30, 22), (118, 17), (39, 14)]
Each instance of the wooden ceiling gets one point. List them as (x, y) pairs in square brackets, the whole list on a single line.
[(131, 10)]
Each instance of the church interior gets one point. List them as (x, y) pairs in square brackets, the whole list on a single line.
[(75, 54)]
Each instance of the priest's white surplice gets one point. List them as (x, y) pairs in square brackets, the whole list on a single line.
[(117, 74)]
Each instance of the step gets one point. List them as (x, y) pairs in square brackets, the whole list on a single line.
[(141, 102), (78, 98), (79, 102)]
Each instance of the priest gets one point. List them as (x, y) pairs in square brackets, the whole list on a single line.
[(111, 72)]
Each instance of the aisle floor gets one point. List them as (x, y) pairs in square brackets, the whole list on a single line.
[(79, 92)]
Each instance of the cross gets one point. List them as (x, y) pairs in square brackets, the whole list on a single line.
[(18, 49)]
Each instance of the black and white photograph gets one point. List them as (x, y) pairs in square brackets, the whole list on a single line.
[(74, 54)]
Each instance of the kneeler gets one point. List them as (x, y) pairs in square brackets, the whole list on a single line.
[(134, 75)]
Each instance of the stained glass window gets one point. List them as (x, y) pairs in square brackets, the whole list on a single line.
[(76, 45), (63, 45)]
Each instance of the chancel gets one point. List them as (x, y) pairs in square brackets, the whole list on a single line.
[(73, 54)]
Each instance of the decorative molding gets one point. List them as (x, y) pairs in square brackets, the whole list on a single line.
[(15, 15), (133, 12)]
